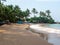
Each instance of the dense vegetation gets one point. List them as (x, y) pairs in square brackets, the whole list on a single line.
[(14, 14), (44, 17)]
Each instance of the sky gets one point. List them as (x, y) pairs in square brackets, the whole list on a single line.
[(40, 5)]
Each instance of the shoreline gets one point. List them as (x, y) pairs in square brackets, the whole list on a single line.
[(18, 34), (42, 28), (50, 34)]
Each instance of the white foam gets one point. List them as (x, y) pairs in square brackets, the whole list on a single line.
[(37, 27)]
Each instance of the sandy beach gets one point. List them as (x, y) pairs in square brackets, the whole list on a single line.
[(20, 34), (53, 33)]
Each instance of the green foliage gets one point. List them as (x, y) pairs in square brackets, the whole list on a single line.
[(43, 18), (48, 12), (26, 13), (34, 11), (14, 13)]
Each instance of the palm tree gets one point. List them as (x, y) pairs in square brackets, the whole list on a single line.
[(34, 11), (48, 14), (42, 14), (26, 14)]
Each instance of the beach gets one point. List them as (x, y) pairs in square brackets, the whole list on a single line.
[(44, 29), (53, 34), (20, 34)]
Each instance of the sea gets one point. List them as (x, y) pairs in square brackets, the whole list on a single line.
[(56, 26), (54, 38)]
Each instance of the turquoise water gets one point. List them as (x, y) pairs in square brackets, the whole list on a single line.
[(56, 26)]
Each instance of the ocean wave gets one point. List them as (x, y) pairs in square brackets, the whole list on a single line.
[(42, 29)]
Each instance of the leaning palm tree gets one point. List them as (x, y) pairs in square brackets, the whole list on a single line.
[(48, 13), (34, 11), (26, 14), (42, 14)]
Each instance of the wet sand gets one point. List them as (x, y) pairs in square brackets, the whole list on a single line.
[(54, 38), (53, 34), (19, 34)]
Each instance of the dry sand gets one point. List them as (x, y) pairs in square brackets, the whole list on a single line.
[(19, 34)]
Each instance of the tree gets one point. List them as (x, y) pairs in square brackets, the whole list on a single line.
[(2, 10), (26, 14), (2, 7), (48, 12), (42, 14), (42, 18), (50, 19), (9, 13), (45, 17), (16, 11), (34, 11), (14, 14)]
